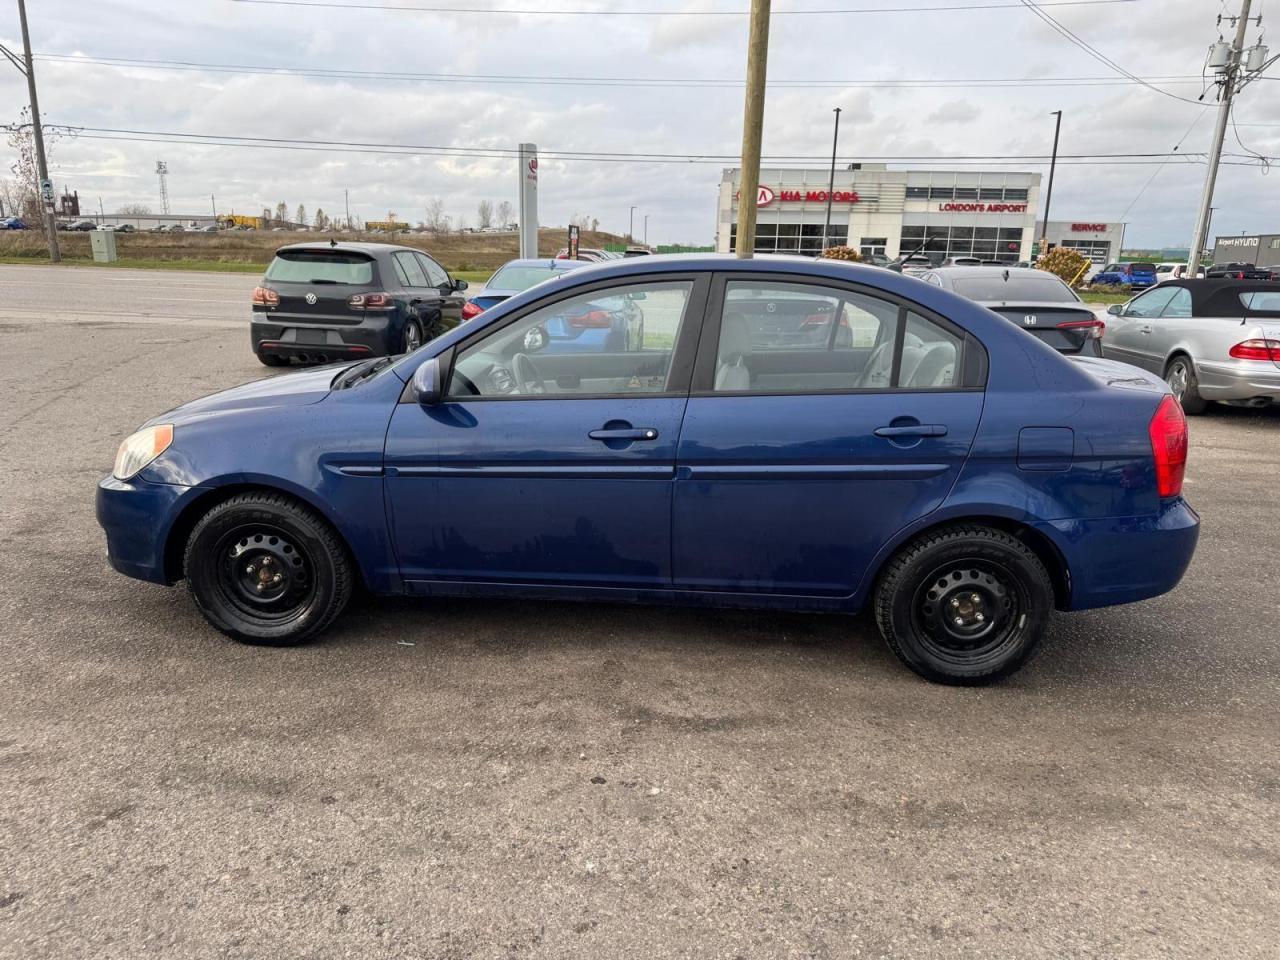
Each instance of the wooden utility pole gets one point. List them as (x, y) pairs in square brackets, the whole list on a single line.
[(42, 167), (752, 128)]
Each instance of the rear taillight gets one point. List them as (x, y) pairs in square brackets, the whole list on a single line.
[(593, 320), (1256, 350), (1094, 329), (471, 309), (371, 301), (265, 297), (1168, 431)]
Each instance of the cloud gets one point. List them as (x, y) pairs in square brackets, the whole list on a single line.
[(954, 111)]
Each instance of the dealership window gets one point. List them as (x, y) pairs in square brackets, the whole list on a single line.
[(987, 243), (917, 193), (966, 193), (1011, 193), (991, 193), (1098, 251), (871, 246), (801, 238), (1275, 244), (942, 193)]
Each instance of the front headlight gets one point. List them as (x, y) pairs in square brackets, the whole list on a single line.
[(141, 448)]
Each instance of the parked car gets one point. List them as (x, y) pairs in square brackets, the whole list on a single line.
[(1134, 275), (875, 260), (515, 276), (961, 262), (1211, 340), (912, 264), (1238, 271), (13, 223), (208, 228), (1034, 300), (637, 252), (82, 226), (1173, 271), (585, 253), (333, 301), (958, 477)]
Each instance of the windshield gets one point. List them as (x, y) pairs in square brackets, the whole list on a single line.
[(520, 278), (323, 266), (1019, 286)]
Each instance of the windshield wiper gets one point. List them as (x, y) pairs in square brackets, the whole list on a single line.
[(359, 372)]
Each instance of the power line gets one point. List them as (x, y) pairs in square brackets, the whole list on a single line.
[(1102, 58), (526, 79), (1156, 172), (535, 12)]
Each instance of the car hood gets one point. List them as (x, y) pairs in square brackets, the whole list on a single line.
[(287, 389)]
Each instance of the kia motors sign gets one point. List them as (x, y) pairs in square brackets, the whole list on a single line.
[(768, 195)]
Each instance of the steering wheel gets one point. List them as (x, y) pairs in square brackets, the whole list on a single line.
[(528, 379)]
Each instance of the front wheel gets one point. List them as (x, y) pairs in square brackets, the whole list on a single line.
[(1181, 377), (964, 605), (264, 569)]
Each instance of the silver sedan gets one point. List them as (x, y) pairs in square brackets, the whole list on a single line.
[(1211, 340)]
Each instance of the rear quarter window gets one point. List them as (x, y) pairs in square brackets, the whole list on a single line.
[(321, 266), (1264, 300)]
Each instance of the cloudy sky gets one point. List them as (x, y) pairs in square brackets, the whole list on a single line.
[(683, 98)]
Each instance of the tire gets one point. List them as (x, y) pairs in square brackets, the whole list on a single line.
[(411, 337), (1181, 377), (264, 569), (267, 360), (988, 579)]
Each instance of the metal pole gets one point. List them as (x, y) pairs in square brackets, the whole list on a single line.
[(1219, 135), (42, 167), (346, 202), (752, 128), (831, 183), (213, 202), (1048, 196), (646, 229), (631, 225)]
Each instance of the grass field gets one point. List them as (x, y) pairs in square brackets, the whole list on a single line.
[(471, 256)]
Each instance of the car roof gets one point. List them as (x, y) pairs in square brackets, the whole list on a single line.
[(1220, 297), (348, 246), (987, 272), (550, 263)]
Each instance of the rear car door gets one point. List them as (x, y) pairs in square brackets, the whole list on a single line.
[(1128, 336), (451, 300), (797, 462), (548, 468)]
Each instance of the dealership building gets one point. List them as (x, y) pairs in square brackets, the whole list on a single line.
[(1099, 242), (1262, 250), (891, 212)]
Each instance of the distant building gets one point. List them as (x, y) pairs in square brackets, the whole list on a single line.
[(1099, 242), (1261, 249)]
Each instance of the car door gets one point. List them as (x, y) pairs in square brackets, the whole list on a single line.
[(1128, 334), (422, 300), (548, 468), (797, 462), (451, 299), (1168, 329)]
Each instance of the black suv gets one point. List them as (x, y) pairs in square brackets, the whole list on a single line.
[(322, 302)]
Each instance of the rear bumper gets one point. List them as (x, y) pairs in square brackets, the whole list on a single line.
[(1124, 559), (375, 336), (136, 516), (1239, 380)]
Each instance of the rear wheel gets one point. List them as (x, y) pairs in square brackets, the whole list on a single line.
[(964, 605), (265, 569), (1181, 377), (411, 339)]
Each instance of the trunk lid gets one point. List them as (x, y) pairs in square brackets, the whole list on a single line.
[(316, 284), (1044, 321)]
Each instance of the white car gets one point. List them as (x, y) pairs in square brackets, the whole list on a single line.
[(1173, 271)]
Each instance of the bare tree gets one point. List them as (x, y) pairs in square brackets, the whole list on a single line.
[(134, 210), (437, 222), (301, 216), (484, 214), (505, 213), (462, 223), (322, 219), (21, 139), (266, 217), (13, 195), (282, 213)]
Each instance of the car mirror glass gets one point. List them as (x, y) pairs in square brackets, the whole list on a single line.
[(460, 285), (1116, 309)]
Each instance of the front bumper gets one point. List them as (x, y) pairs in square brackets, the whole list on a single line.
[(1125, 559), (136, 516), (1257, 380)]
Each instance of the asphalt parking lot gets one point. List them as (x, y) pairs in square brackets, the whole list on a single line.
[(514, 779)]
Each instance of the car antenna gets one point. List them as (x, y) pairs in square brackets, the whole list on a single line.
[(333, 242)]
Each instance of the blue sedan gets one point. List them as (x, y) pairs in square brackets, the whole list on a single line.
[(915, 454)]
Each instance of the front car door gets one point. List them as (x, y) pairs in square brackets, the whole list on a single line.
[(1128, 334), (1168, 329), (800, 457), (450, 298), (548, 467)]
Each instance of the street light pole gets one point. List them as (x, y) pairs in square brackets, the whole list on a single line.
[(631, 225), (752, 128), (42, 167), (831, 183), (1048, 196), (1219, 135), (646, 229)]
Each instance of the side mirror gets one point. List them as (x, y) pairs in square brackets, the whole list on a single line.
[(535, 339), (637, 295), (1116, 309), (428, 388), (460, 285)]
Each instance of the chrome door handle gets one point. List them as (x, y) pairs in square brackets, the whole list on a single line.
[(914, 430), (629, 433)]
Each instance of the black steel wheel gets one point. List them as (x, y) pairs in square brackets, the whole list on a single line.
[(964, 605), (265, 569)]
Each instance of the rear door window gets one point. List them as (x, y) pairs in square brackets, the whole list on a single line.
[(320, 266), (414, 275)]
